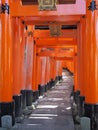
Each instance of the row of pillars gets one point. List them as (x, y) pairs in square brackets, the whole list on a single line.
[(24, 76), (86, 92), (14, 78)]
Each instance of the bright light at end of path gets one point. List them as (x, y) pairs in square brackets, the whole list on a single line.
[(49, 118), (68, 108), (47, 106), (34, 124), (49, 115)]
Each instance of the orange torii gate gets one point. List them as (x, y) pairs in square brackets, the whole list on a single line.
[(13, 42), (56, 52), (43, 39)]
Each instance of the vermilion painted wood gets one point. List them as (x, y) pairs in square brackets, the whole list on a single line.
[(16, 57), (60, 68), (82, 56), (6, 56), (23, 37), (34, 75), (91, 57), (76, 87), (43, 68), (47, 70), (71, 9), (38, 71), (61, 19), (55, 42), (65, 34), (29, 58)]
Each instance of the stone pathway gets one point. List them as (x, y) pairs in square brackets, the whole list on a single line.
[(53, 111)]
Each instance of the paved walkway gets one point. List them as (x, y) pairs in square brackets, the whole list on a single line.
[(53, 112)]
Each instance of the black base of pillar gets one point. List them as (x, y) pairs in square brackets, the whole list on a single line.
[(46, 87), (60, 77), (76, 96), (76, 110), (23, 92), (81, 106), (18, 105), (41, 89), (56, 79), (91, 111), (35, 95), (7, 109), (29, 94), (52, 83)]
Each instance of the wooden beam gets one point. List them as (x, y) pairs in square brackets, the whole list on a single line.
[(61, 19), (46, 33), (51, 42), (55, 53), (64, 58), (17, 9), (46, 53)]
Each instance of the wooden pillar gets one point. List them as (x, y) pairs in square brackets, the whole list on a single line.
[(29, 65), (34, 68), (51, 68), (6, 63), (47, 73), (16, 57), (34, 75), (81, 56), (43, 74), (60, 69), (38, 71), (52, 71), (39, 74), (23, 39), (76, 87), (91, 50), (57, 69), (29, 57), (22, 69), (17, 64), (53, 65), (91, 63)]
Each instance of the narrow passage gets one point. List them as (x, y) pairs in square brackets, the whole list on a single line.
[(53, 111)]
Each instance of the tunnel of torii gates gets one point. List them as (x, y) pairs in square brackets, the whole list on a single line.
[(31, 60)]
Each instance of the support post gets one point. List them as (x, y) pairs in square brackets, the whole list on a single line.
[(34, 75), (29, 65), (91, 64), (6, 63)]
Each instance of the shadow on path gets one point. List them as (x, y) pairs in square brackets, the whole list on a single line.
[(53, 111)]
